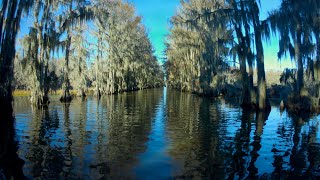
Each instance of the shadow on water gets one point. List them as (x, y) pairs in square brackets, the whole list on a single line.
[(10, 163), (162, 134)]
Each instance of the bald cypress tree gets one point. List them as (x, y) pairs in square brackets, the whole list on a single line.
[(38, 46), (79, 56), (77, 12), (223, 19), (197, 47), (291, 22), (124, 58)]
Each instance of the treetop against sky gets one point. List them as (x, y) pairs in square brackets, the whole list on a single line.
[(156, 17)]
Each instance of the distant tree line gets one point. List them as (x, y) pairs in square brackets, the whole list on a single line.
[(77, 44), (208, 37)]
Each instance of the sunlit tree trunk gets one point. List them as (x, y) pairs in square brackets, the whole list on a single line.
[(248, 46), (97, 78), (246, 99), (98, 93), (262, 86), (45, 82)]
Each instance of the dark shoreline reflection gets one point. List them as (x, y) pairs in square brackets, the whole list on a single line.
[(162, 133), (10, 163)]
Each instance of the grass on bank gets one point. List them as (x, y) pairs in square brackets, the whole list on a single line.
[(19, 92)]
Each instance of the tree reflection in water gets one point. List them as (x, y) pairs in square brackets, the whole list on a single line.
[(156, 133), (10, 163)]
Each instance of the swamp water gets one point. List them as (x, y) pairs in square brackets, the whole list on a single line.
[(163, 134)]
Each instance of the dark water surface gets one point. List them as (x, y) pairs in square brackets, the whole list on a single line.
[(163, 134)]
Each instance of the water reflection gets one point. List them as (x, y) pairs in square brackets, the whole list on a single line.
[(160, 134), (10, 163), (154, 162)]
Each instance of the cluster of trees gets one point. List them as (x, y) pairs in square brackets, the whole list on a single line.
[(103, 44), (205, 35)]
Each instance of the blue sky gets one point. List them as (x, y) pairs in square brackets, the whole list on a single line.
[(156, 16), (157, 13)]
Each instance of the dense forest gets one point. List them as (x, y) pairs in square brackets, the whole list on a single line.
[(102, 46), (80, 45), (212, 40)]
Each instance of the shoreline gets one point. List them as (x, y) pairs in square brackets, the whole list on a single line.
[(90, 91)]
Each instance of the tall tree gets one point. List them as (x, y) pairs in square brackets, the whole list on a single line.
[(10, 16), (197, 45), (124, 56), (77, 12), (80, 53), (38, 46), (291, 22), (237, 16), (258, 28)]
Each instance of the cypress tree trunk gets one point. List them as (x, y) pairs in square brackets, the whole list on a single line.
[(98, 93), (97, 78), (246, 99), (66, 97), (298, 57), (9, 160), (248, 49), (250, 75), (45, 98), (262, 86), (81, 93), (40, 58), (3, 10)]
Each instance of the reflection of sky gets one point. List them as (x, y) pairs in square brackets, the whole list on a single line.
[(155, 163), (277, 139), (84, 136)]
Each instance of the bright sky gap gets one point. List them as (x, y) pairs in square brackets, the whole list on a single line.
[(156, 17)]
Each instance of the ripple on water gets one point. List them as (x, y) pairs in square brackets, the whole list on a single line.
[(163, 134)]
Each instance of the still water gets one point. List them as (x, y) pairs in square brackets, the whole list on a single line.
[(163, 134)]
